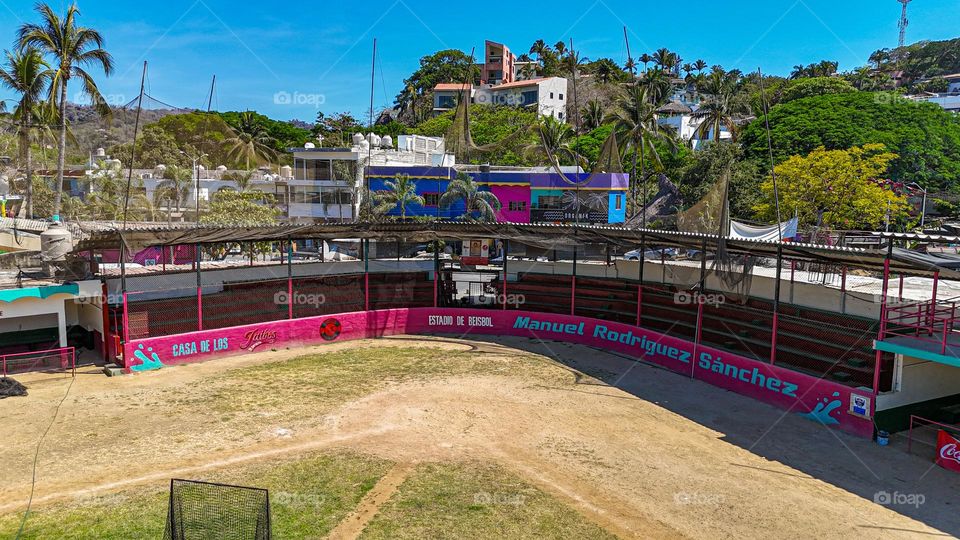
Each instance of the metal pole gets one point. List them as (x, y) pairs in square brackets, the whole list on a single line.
[(573, 283), (699, 300), (199, 291), (505, 244), (289, 279), (843, 290), (123, 290), (365, 244), (436, 271), (642, 260), (883, 323), (776, 305)]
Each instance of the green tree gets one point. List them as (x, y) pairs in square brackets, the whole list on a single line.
[(400, 192), (555, 142), (592, 115), (284, 134), (723, 104), (27, 74), (835, 188), (251, 142), (815, 86), (72, 48), (446, 66), (708, 164), (925, 138), (511, 126), (235, 209), (482, 203), (636, 121)]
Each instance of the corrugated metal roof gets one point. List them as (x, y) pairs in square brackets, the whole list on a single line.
[(139, 236)]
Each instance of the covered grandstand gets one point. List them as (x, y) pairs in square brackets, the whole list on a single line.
[(698, 304)]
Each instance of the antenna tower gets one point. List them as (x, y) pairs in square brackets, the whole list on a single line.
[(904, 23)]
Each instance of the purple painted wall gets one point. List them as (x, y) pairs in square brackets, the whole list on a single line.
[(816, 399), (514, 194)]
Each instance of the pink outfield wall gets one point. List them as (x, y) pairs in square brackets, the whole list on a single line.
[(820, 400)]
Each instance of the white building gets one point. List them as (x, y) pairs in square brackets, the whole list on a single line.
[(678, 117), (548, 95), (323, 181)]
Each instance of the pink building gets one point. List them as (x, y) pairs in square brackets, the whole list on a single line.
[(498, 64)]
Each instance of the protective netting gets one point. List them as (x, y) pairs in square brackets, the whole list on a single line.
[(11, 388), (400, 290), (207, 511), (459, 140), (710, 214), (47, 360)]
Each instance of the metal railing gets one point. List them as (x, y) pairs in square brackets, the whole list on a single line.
[(61, 359), (921, 422), (933, 321)]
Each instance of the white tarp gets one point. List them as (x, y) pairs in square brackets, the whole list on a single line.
[(767, 233)]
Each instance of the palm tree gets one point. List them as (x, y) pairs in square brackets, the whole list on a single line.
[(561, 48), (665, 59), (555, 141), (28, 75), (401, 191), (799, 71), (658, 86), (539, 48), (700, 65), (174, 189), (463, 188), (688, 69), (723, 105), (72, 48), (630, 65), (592, 115), (250, 141), (646, 59), (636, 121)]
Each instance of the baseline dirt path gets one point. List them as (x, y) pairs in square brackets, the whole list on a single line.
[(653, 456)]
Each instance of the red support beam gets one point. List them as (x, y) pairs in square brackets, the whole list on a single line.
[(883, 327)]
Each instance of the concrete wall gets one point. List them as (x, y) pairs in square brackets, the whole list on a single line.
[(920, 380)]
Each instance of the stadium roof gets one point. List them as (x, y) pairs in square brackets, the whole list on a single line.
[(548, 236)]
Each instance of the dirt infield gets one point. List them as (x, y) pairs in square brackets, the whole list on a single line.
[(637, 450)]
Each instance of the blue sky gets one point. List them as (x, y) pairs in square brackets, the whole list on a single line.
[(316, 55)]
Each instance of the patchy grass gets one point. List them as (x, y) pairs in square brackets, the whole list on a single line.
[(327, 380), (308, 497), (475, 501)]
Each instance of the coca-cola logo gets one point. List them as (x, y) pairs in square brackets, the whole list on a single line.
[(949, 451), (260, 336)]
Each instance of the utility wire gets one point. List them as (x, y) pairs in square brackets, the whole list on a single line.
[(36, 458)]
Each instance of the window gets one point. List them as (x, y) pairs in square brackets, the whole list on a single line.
[(431, 199), (529, 97), (551, 95), (560, 116), (518, 206), (618, 202), (561, 97), (446, 102), (549, 201)]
